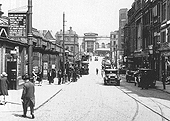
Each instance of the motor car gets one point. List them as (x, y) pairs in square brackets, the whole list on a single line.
[(85, 68), (150, 76), (96, 59), (111, 76)]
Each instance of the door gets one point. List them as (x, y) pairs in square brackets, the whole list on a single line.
[(12, 74)]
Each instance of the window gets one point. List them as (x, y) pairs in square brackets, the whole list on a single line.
[(97, 45), (114, 43), (168, 9), (164, 11), (103, 45), (90, 45), (163, 36), (72, 49), (168, 34), (155, 11)]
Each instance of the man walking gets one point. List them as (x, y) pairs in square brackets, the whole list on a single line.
[(28, 97), (97, 71)]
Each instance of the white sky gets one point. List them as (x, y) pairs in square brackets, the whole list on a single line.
[(98, 16)]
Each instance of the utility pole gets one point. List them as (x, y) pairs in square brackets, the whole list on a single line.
[(63, 48), (111, 51), (116, 56), (29, 35), (74, 50)]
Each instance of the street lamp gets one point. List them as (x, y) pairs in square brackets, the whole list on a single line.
[(63, 48), (30, 43)]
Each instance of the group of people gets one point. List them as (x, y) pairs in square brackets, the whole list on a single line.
[(28, 93), (27, 97), (72, 74)]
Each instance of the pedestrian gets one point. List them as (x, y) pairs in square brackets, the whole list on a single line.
[(74, 75), (97, 71), (34, 75), (50, 76), (39, 77), (28, 97), (53, 75), (59, 76), (3, 87), (144, 80)]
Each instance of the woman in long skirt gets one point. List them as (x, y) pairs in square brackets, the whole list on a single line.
[(3, 87)]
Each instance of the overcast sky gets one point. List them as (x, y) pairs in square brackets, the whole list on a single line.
[(98, 16)]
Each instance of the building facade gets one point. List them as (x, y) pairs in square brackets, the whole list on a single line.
[(114, 48), (122, 22), (71, 43), (14, 48), (147, 35)]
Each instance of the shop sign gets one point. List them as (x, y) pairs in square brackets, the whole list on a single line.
[(18, 24), (4, 27), (4, 32)]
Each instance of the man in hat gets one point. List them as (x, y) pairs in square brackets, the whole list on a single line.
[(28, 97)]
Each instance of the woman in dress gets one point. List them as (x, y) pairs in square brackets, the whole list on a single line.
[(3, 86)]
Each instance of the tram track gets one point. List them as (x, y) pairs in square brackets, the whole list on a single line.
[(160, 113)]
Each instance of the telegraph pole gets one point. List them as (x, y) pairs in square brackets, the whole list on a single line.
[(29, 35), (74, 50), (63, 48)]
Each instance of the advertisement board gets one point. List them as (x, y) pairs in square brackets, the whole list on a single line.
[(18, 24)]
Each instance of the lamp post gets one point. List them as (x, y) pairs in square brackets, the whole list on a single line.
[(74, 50), (63, 48), (29, 35)]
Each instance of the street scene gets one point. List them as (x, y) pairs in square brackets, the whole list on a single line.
[(89, 99), (76, 60)]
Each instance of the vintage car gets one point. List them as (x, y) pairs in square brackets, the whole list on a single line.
[(111, 76), (96, 58), (148, 76), (85, 68)]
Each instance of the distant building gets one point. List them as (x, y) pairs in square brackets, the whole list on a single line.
[(71, 41), (94, 44), (114, 46), (89, 41)]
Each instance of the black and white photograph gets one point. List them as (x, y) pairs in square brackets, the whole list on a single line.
[(84, 60)]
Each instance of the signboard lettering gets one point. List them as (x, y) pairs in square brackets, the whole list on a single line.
[(18, 24)]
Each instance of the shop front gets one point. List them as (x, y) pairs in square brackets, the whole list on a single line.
[(165, 61)]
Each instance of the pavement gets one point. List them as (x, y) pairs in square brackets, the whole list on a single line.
[(159, 86), (42, 95)]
